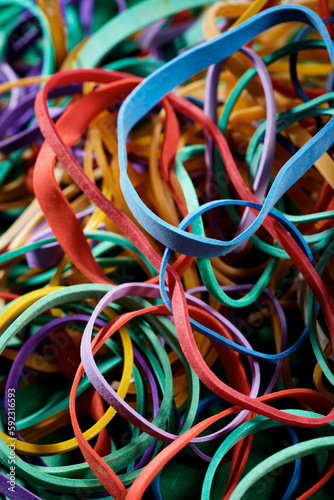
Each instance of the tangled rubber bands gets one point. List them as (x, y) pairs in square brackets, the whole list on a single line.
[(167, 249)]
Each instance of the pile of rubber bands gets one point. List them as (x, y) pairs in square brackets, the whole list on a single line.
[(167, 249)]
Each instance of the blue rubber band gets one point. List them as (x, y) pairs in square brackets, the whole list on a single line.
[(207, 331), (156, 86)]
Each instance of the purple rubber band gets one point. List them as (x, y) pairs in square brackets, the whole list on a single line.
[(245, 288), (281, 315), (121, 4), (87, 15), (31, 344), (148, 35), (9, 75), (111, 397), (261, 181), (19, 493), (262, 178), (49, 255), (171, 33), (27, 137)]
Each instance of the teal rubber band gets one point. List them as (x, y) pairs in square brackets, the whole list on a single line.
[(127, 23), (204, 265), (257, 424), (94, 235)]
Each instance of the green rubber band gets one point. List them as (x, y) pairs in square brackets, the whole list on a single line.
[(127, 23), (311, 316), (289, 454), (204, 264), (93, 235)]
